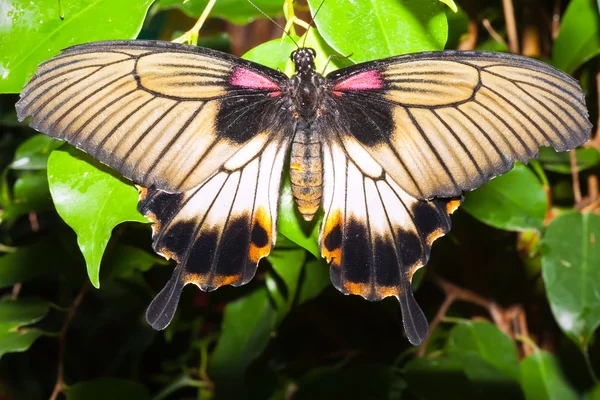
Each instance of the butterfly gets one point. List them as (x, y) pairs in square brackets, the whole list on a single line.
[(387, 148)]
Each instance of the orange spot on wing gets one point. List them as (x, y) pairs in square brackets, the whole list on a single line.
[(360, 289), (263, 219), (333, 256), (438, 233), (452, 205)]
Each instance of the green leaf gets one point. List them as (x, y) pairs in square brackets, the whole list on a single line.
[(515, 201), (124, 260), (551, 160), (236, 11), (30, 262), (91, 200), (374, 29), (471, 342), (438, 378), (247, 327), (543, 378), (315, 279), (571, 274), (288, 264), (34, 152), (593, 394), (274, 54), (458, 25), (30, 193), (108, 388), (14, 316), (579, 36), (33, 31)]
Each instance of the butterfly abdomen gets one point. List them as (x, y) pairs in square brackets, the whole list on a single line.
[(306, 172)]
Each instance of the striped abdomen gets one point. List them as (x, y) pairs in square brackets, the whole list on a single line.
[(306, 172)]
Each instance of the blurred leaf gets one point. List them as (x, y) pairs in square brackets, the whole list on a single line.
[(451, 4), (236, 11), (14, 316), (543, 379), (315, 279), (470, 341), (274, 54), (30, 193), (587, 157), (438, 378), (579, 36), (458, 26), (374, 29), (364, 382), (108, 388), (247, 327), (30, 262), (593, 394), (34, 152), (91, 201), (124, 260), (571, 274), (33, 31), (515, 201)]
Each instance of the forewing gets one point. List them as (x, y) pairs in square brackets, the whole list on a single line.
[(154, 111), (218, 231), (374, 234), (442, 123)]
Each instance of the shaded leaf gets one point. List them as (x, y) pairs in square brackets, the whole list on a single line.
[(438, 378), (288, 264), (515, 201), (34, 32), (247, 326), (375, 29), (570, 269), (108, 388), (543, 379), (551, 160), (124, 260), (14, 316), (488, 343), (91, 201), (30, 193), (34, 152), (579, 36), (315, 279), (236, 11)]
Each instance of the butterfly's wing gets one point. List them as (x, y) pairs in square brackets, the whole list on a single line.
[(441, 123), (201, 132), (374, 234), (154, 111)]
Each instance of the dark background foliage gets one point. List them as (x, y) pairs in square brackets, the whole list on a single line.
[(512, 293)]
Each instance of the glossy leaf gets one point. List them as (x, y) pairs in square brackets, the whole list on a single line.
[(108, 388), (587, 157), (579, 36), (34, 152), (91, 200), (570, 269), (487, 342), (543, 378), (15, 315), (34, 31), (247, 327), (288, 264), (236, 11), (368, 30), (515, 201)]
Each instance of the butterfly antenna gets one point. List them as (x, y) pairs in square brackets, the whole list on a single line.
[(312, 19), (273, 21)]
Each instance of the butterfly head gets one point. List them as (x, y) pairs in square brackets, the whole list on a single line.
[(304, 60)]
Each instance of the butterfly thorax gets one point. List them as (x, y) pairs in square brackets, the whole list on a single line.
[(306, 166)]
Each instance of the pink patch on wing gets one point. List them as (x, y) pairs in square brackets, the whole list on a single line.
[(249, 79), (362, 81)]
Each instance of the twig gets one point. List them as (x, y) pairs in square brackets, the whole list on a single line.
[(62, 342), (575, 176), (511, 26), (436, 321), (471, 39), (495, 35), (15, 291), (191, 36), (33, 221), (556, 19)]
